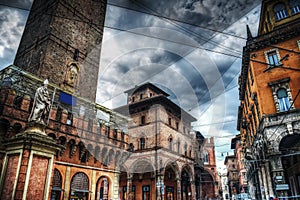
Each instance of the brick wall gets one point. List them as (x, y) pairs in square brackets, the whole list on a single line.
[(10, 177), (37, 178)]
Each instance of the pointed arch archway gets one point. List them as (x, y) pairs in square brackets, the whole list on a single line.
[(207, 184), (170, 181), (56, 190), (186, 180)]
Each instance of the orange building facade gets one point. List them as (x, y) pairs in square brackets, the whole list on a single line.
[(268, 118)]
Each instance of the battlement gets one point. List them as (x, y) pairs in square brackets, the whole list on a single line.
[(76, 127)]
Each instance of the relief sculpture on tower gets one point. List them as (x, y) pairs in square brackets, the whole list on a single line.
[(71, 77)]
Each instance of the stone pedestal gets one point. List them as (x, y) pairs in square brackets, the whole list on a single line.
[(28, 162)]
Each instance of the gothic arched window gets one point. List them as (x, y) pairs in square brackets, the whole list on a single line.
[(185, 149), (206, 157), (280, 11), (142, 143), (170, 143), (56, 185)]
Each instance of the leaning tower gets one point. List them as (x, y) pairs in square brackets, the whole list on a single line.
[(62, 42)]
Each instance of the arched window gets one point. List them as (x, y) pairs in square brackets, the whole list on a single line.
[(171, 143), (115, 134), (122, 136), (56, 185), (283, 100), (295, 6), (206, 157), (185, 149), (102, 189), (178, 146), (142, 143), (280, 11), (80, 186)]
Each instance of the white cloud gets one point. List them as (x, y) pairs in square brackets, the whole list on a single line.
[(2, 48), (12, 25)]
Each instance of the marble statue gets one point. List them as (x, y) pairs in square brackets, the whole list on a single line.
[(41, 104)]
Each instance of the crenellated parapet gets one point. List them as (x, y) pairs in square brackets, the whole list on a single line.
[(74, 123)]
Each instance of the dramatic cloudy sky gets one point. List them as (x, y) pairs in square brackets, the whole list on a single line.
[(189, 48)]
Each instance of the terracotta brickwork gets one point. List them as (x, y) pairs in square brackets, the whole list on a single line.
[(37, 178), (50, 40), (209, 177), (90, 146), (22, 175), (9, 181)]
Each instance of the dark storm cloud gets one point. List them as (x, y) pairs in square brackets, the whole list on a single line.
[(12, 23), (218, 14), (213, 15), (20, 4)]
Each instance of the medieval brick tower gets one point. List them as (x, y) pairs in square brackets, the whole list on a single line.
[(70, 153), (62, 42)]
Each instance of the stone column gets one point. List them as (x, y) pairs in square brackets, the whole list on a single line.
[(193, 190), (266, 188), (93, 185), (277, 171), (261, 184), (129, 186), (116, 186), (178, 192), (162, 189), (67, 183), (29, 160), (158, 187), (269, 179)]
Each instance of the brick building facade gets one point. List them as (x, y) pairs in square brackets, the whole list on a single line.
[(83, 150), (232, 176), (209, 177), (80, 156), (166, 162), (240, 161), (75, 155)]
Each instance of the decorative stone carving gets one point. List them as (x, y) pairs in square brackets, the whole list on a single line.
[(73, 148), (41, 105), (276, 163), (289, 127), (71, 77)]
